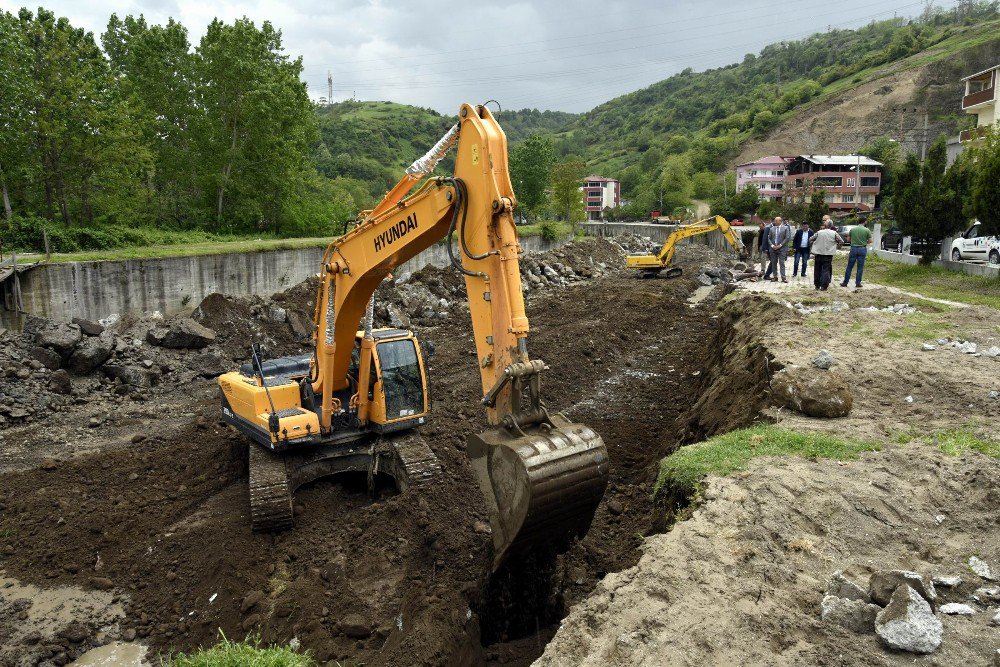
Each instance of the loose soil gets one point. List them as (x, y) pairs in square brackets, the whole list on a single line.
[(157, 510)]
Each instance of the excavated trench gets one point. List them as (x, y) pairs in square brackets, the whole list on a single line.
[(401, 579)]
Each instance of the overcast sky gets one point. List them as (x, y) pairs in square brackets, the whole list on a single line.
[(568, 55)]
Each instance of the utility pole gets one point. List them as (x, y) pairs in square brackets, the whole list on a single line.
[(329, 87)]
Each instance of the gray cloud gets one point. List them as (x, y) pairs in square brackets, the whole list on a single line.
[(568, 56)]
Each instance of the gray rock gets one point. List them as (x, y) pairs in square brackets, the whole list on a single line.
[(136, 377), (856, 615), (704, 280), (842, 587), (549, 272), (278, 314), (908, 623), (996, 658), (987, 594), (89, 327), (947, 582), (957, 609), (823, 359), (882, 585), (838, 307), (302, 325), (397, 318), (47, 357), (928, 347), (981, 568), (184, 333), (996, 618), (91, 353), (993, 351), (813, 392), (60, 383), (59, 337), (967, 347)]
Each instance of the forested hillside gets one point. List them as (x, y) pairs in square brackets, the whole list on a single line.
[(670, 139)]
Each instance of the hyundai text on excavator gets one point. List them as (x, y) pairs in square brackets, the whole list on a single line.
[(651, 266), (345, 406)]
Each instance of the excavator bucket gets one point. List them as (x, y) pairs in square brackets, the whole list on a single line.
[(542, 487)]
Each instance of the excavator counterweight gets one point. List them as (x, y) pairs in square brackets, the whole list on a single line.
[(353, 403)]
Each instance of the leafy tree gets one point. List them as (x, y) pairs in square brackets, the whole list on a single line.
[(746, 201), (530, 165), (16, 95), (258, 124), (764, 121), (887, 151), (768, 209), (706, 185), (817, 208), (567, 197), (985, 188), (676, 187)]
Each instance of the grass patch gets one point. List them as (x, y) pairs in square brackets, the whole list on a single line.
[(960, 441), (932, 281), (922, 327), (685, 469), (248, 653)]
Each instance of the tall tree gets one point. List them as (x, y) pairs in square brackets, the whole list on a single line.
[(567, 197), (817, 208), (986, 186), (257, 126), (530, 164), (16, 96)]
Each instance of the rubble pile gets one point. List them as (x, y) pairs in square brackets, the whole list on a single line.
[(963, 346), (50, 366), (901, 607)]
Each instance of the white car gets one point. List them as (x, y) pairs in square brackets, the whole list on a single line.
[(973, 245)]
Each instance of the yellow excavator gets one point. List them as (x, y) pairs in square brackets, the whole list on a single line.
[(352, 403), (651, 266)]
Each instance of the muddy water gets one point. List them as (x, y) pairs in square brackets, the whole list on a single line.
[(117, 654)]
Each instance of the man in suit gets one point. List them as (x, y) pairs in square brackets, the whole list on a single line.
[(778, 237), (800, 245)]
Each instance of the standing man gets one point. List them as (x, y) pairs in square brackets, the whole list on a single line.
[(778, 238), (762, 248), (824, 246), (861, 238), (800, 244)]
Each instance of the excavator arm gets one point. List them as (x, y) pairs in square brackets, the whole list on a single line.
[(542, 476), (652, 264)]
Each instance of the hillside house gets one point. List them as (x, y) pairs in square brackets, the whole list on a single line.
[(767, 173), (600, 193), (837, 176)]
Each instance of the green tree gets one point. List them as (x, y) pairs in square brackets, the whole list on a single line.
[(530, 165), (257, 126), (567, 197), (817, 208), (985, 188), (16, 96), (706, 185), (887, 151), (747, 201), (676, 187)]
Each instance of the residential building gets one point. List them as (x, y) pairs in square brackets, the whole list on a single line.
[(980, 98), (600, 193), (767, 173), (836, 176)]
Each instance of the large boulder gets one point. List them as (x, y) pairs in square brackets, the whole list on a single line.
[(89, 327), (91, 353), (181, 334), (908, 623), (813, 392), (47, 357), (59, 337), (302, 324), (842, 587), (884, 583), (136, 377)]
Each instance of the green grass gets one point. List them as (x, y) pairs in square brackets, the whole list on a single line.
[(960, 441), (922, 327), (247, 653), (685, 469), (182, 250), (930, 281)]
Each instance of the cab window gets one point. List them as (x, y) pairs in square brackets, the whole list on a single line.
[(401, 379)]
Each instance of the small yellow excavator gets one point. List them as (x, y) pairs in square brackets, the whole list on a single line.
[(651, 266), (352, 403)]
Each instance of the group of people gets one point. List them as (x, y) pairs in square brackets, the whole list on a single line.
[(774, 239)]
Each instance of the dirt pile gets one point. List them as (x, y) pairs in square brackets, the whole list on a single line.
[(765, 544)]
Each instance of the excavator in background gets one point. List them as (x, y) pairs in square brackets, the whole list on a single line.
[(651, 266), (352, 403)]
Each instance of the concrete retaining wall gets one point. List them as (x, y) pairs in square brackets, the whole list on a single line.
[(94, 290)]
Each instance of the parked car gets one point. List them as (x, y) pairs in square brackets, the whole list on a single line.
[(892, 240), (973, 245), (844, 230), (737, 222)]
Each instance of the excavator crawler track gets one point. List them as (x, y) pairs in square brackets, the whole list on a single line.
[(270, 496), (275, 477)]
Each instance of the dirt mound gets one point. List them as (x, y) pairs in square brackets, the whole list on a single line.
[(742, 580)]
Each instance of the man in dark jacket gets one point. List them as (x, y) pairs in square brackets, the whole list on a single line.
[(763, 251), (800, 243)]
